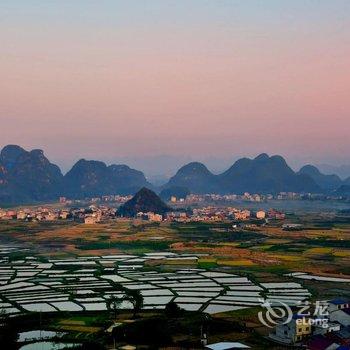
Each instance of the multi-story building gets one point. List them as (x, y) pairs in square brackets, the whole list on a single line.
[(242, 215), (295, 331), (338, 304)]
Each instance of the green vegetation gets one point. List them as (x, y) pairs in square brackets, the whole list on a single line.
[(207, 264), (127, 246), (214, 232), (263, 254), (294, 248), (322, 242)]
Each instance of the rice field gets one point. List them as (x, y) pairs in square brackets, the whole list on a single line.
[(86, 283), (306, 276)]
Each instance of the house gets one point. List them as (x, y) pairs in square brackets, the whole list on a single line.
[(260, 214), (341, 316), (150, 216), (341, 337), (51, 217), (21, 215), (327, 329), (90, 220), (64, 215), (275, 214), (296, 330), (242, 215), (154, 217), (338, 304)]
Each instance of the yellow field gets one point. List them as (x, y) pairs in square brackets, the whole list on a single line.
[(319, 250), (341, 253), (281, 248), (72, 322), (277, 241), (82, 329), (173, 262), (235, 262), (207, 260), (288, 257)]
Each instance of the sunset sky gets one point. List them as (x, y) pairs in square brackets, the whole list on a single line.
[(192, 79)]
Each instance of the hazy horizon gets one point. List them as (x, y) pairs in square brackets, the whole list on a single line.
[(200, 80), (161, 167), (166, 165)]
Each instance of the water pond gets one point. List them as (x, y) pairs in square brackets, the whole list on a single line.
[(45, 345)]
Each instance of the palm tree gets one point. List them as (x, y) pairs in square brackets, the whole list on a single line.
[(113, 304), (135, 298)]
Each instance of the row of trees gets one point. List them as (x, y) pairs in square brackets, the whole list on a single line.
[(136, 299)]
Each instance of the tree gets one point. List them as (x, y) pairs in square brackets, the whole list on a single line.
[(135, 298), (172, 310), (113, 304), (8, 334)]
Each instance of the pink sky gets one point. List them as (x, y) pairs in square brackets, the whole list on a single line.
[(91, 85)]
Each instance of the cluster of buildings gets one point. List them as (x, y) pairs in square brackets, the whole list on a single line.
[(103, 199), (197, 198), (328, 330), (150, 216), (248, 197), (230, 213), (37, 214), (90, 215), (212, 213), (217, 214), (93, 214), (97, 213), (210, 197)]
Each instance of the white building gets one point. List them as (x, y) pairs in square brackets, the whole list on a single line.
[(342, 316), (260, 214), (338, 304)]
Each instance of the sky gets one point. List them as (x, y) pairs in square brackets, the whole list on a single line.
[(166, 81)]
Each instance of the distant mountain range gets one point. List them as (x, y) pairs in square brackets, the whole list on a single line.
[(90, 178), (343, 171), (327, 182), (28, 176), (343, 190), (262, 174)]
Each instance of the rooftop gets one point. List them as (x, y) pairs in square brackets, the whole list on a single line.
[(339, 301), (227, 346)]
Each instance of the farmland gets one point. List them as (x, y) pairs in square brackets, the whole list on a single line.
[(65, 274)]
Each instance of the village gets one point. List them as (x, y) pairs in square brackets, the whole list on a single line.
[(211, 260), (101, 213)]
